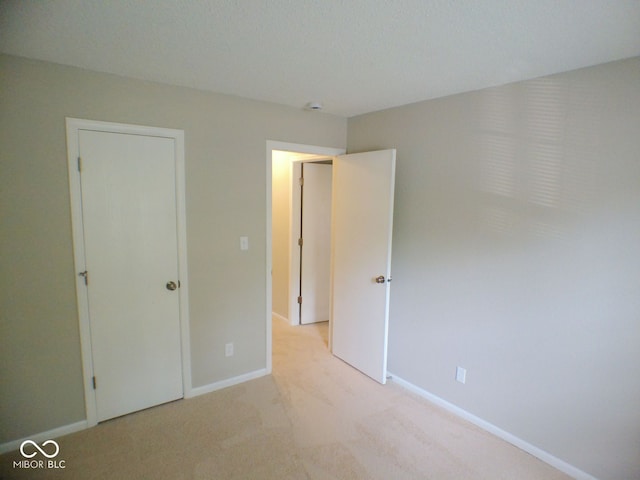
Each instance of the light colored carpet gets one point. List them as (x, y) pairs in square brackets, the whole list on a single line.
[(314, 418)]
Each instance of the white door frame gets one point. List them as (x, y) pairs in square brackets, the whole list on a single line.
[(288, 147), (74, 125)]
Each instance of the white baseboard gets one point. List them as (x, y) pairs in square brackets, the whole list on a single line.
[(212, 387), (43, 436), (498, 432), (281, 317)]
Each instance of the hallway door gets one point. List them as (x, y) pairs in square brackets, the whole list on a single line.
[(315, 248)]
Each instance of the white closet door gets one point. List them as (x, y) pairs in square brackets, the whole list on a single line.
[(130, 233)]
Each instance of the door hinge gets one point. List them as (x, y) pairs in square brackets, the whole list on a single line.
[(85, 274), (299, 242), (79, 164), (301, 180), (93, 379), (300, 300)]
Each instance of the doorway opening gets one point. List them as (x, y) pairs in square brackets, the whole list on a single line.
[(361, 231), (285, 199), (301, 236)]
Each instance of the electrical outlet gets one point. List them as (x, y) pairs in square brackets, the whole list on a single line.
[(461, 374), (244, 243), (228, 350)]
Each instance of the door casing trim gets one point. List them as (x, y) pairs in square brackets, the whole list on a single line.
[(73, 127)]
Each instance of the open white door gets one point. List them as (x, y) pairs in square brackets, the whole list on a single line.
[(362, 222), (315, 271)]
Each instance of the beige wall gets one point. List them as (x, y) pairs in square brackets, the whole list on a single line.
[(281, 232), (516, 255), (225, 137)]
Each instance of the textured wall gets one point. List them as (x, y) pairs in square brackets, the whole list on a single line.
[(225, 142), (515, 255)]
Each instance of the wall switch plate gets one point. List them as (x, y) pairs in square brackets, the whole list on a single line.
[(461, 374), (228, 350), (244, 243)]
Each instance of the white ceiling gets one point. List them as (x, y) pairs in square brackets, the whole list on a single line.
[(354, 56)]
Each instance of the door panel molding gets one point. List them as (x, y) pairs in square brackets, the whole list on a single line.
[(73, 127)]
